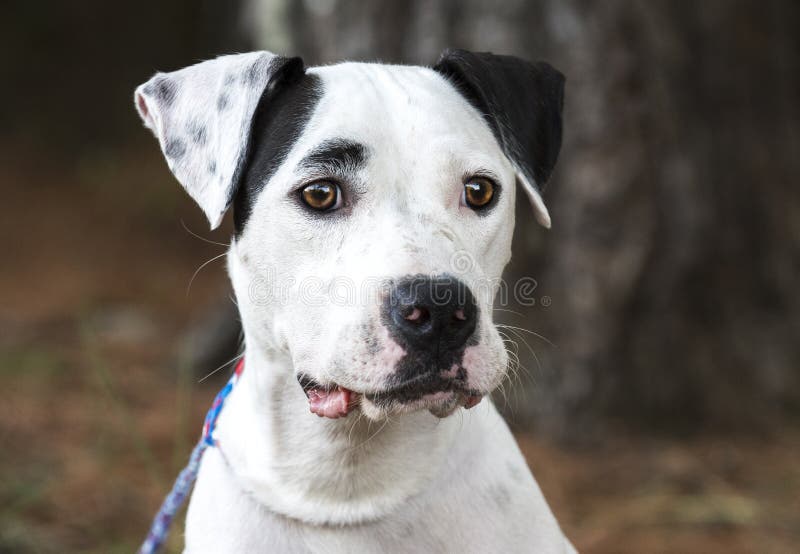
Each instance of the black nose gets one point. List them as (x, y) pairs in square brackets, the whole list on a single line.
[(435, 314)]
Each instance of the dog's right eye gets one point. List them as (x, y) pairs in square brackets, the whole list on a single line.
[(321, 196), (478, 193)]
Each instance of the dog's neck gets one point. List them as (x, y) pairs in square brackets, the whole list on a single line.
[(322, 470)]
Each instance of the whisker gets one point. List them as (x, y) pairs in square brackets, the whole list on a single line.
[(209, 241), (514, 367), (385, 423), (537, 335), (353, 426), (509, 311), (189, 286), (236, 358), (502, 389), (514, 361), (533, 353)]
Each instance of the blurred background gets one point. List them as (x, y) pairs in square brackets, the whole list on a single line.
[(660, 409)]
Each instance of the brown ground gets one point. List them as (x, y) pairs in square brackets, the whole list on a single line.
[(100, 409)]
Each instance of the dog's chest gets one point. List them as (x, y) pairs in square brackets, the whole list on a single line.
[(488, 505)]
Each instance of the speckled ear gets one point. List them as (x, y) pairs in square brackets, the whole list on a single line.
[(202, 117)]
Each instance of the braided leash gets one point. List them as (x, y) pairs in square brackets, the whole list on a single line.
[(183, 484)]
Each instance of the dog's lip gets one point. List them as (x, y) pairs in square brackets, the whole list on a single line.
[(441, 404), (309, 384), (422, 385), (409, 393), (417, 389)]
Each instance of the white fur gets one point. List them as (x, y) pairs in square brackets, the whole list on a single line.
[(398, 480), (286, 481)]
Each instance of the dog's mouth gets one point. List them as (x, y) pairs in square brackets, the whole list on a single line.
[(441, 396), (332, 401)]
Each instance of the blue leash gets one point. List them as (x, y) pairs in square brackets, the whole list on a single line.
[(159, 529)]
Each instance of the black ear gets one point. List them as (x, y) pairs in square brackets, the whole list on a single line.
[(522, 103)]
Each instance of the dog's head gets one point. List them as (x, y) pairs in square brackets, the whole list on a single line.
[(373, 210)]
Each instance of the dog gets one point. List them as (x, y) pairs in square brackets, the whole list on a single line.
[(373, 211)]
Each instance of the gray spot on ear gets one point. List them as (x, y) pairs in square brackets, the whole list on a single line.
[(175, 149), (212, 167), (515, 472), (222, 102), (198, 132), (250, 76), (500, 495), (163, 89)]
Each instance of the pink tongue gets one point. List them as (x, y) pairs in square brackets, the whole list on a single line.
[(333, 403)]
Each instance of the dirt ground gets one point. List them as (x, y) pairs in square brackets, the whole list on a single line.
[(101, 407)]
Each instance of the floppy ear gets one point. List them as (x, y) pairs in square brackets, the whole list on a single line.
[(202, 115), (522, 103)]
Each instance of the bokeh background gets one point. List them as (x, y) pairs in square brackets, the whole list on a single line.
[(660, 385)]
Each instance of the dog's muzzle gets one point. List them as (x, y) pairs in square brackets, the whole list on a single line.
[(433, 319)]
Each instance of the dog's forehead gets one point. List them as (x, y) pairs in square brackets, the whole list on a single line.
[(405, 130), (410, 106)]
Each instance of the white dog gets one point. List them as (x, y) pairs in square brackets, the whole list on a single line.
[(373, 209)]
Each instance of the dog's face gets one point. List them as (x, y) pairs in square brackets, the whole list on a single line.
[(373, 208)]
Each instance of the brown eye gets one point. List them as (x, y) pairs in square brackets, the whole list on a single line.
[(478, 192), (321, 196)]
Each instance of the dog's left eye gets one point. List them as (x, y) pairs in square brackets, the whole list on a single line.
[(321, 196), (478, 193)]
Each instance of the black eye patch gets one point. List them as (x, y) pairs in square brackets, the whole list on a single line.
[(279, 121)]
